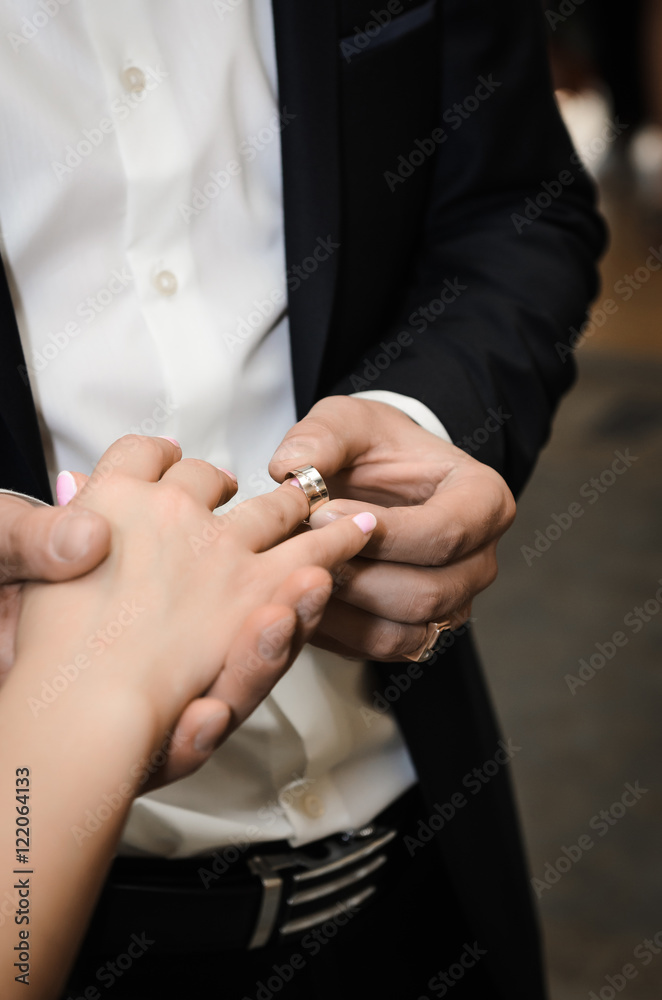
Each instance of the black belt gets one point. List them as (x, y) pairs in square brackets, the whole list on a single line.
[(250, 897)]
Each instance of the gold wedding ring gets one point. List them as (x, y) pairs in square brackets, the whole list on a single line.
[(312, 485), (432, 637)]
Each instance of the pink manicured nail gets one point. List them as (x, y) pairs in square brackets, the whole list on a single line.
[(295, 482), (227, 473), (65, 488), (171, 440), (367, 522)]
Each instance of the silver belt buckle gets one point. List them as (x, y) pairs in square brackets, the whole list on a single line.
[(363, 848)]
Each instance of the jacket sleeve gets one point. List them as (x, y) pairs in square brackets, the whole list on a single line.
[(506, 265)]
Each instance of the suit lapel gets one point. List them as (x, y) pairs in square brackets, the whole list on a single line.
[(307, 53)]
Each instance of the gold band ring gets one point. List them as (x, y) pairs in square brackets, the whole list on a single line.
[(424, 652), (312, 485)]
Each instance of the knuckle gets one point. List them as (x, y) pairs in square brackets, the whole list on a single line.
[(509, 509), (198, 465), (456, 594), (131, 442), (491, 568), (460, 616), (424, 603), (279, 515), (391, 639), (448, 541), (178, 502), (499, 499)]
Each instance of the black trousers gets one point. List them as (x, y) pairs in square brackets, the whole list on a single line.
[(411, 942)]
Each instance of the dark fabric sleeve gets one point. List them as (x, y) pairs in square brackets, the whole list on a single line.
[(506, 266)]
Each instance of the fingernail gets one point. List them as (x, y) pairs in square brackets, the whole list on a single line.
[(227, 473), (294, 482), (70, 538), (311, 603), (367, 522), (210, 733), (65, 488), (171, 440)]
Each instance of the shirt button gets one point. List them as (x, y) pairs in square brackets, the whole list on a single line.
[(313, 806), (134, 79), (165, 282)]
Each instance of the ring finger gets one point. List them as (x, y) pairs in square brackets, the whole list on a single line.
[(357, 634)]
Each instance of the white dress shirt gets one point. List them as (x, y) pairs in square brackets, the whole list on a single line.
[(141, 216)]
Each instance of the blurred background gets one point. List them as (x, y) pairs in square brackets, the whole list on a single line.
[(571, 635)]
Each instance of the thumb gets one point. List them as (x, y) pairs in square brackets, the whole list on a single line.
[(330, 437), (46, 543), (202, 726)]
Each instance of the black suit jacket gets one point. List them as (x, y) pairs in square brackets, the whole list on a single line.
[(426, 153)]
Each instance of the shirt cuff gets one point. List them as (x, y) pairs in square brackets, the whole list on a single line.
[(419, 412)]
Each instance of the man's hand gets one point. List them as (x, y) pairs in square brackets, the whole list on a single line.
[(41, 543), (434, 548)]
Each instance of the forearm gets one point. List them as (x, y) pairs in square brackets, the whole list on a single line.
[(81, 753)]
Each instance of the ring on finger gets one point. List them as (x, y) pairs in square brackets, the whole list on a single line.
[(433, 634), (312, 485)]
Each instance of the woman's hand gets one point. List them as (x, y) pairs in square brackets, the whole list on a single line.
[(179, 583), (185, 604)]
